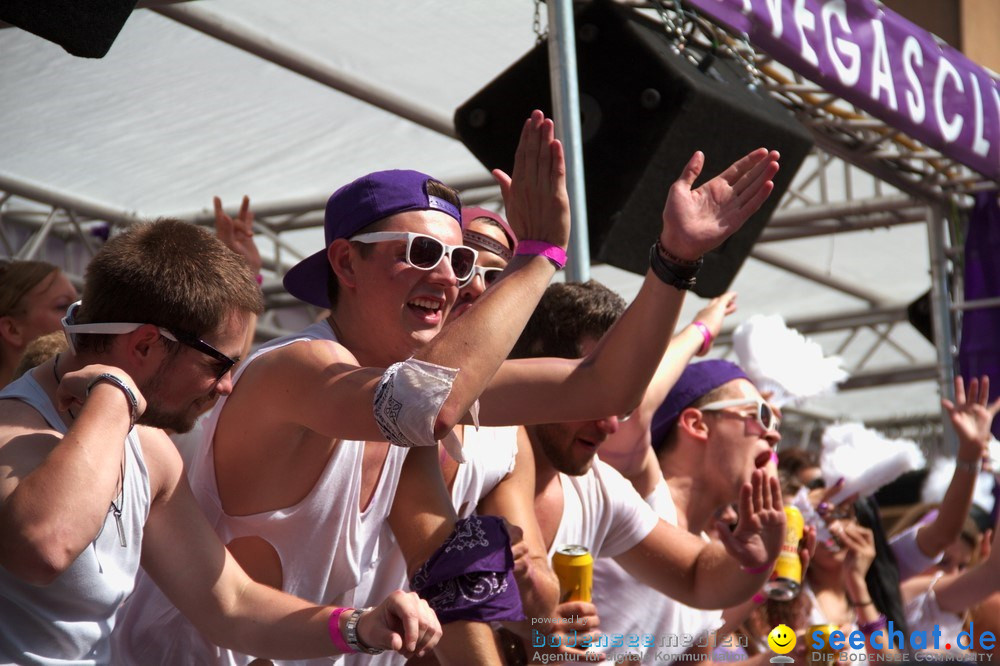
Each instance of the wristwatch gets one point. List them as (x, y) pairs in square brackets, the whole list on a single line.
[(351, 633)]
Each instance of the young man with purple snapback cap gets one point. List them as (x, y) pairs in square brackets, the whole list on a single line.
[(581, 500), (263, 468)]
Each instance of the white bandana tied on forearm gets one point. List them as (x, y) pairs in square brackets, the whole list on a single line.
[(408, 400)]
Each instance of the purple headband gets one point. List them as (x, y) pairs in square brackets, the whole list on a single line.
[(352, 208), (696, 380)]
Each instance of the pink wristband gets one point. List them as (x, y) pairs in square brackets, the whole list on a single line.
[(553, 253), (707, 335), (335, 634), (759, 570)]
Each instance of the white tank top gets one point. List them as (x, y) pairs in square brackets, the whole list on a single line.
[(70, 620), (324, 542), (490, 454)]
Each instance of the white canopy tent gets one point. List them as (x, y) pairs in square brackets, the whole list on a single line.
[(172, 116)]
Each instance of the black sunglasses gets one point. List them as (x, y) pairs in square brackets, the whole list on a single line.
[(225, 362)]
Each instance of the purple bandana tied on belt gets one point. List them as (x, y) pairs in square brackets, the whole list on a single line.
[(471, 576)]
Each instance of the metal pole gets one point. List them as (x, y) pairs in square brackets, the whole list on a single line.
[(566, 108), (941, 319)]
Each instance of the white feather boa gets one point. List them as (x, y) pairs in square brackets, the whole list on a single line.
[(781, 360), (865, 459)]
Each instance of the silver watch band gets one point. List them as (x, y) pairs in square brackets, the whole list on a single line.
[(351, 633)]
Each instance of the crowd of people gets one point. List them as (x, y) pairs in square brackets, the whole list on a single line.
[(391, 483)]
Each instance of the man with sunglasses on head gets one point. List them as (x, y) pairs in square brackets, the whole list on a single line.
[(90, 487)]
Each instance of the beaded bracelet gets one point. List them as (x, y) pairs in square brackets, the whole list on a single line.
[(677, 275)]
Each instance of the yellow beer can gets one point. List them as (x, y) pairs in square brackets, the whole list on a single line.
[(786, 579), (574, 566), (827, 655)]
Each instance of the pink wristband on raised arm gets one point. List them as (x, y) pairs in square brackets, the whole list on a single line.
[(707, 335), (759, 570), (553, 253), (335, 634)]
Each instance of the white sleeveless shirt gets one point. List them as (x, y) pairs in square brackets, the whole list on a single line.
[(325, 543), (70, 620), (490, 454)]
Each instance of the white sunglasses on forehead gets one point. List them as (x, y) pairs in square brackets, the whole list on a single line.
[(489, 274), (764, 415), (426, 252)]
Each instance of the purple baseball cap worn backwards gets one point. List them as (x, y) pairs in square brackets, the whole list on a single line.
[(696, 380), (352, 208)]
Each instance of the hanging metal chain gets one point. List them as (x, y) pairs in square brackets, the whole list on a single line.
[(672, 19), (536, 24)]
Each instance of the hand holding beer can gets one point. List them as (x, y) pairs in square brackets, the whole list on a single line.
[(574, 567), (786, 579)]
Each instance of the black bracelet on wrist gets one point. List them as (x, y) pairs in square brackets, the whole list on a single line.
[(674, 259), (133, 404), (675, 275), (859, 604)]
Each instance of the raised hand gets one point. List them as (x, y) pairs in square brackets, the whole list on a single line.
[(859, 542), (237, 234), (535, 197), (760, 532), (712, 314), (403, 622), (698, 220), (972, 415)]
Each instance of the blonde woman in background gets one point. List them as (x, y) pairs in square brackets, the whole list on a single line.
[(34, 296)]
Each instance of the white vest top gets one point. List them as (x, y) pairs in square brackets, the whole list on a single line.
[(326, 545), (490, 454), (70, 620)]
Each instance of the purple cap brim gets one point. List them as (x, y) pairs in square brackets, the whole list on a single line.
[(696, 380), (353, 207)]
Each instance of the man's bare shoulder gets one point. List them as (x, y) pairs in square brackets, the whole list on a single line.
[(26, 439), (302, 359), (18, 418)]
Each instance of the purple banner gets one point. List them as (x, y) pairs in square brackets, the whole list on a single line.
[(879, 61)]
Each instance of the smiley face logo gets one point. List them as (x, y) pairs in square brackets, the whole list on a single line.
[(781, 639)]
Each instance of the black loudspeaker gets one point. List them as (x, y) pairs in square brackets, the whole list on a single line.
[(645, 110), (84, 28), (919, 314)]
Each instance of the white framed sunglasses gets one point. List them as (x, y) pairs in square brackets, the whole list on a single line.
[(764, 415), (489, 274), (426, 252)]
